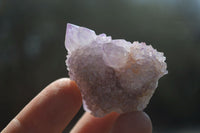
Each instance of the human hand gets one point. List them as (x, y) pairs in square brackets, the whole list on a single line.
[(55, 106)]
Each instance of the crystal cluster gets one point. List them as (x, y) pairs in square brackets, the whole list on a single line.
[(112, 75)]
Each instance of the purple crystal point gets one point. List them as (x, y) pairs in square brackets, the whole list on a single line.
[(77, 37)]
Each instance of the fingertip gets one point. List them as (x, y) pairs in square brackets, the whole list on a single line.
[(74, 92), (138, 122), (65, 87)]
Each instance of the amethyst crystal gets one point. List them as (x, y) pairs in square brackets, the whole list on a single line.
[(113, 75)]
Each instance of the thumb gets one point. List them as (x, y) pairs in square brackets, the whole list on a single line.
[(134, 122)]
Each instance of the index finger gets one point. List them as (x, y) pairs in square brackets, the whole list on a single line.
[(50, 111)]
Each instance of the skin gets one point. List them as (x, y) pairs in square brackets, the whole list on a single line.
[(55, 106)]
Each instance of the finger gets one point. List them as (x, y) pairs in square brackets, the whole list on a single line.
[(50, 111), (91, 124), (135, 122)]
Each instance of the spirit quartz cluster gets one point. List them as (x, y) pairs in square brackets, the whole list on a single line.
[(112, 75)]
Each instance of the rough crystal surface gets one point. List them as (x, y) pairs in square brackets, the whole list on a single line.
[(113, 75)]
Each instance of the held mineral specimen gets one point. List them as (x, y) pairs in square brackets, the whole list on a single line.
[(113, 75)]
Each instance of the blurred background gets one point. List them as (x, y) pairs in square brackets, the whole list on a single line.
[(32, 52)]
